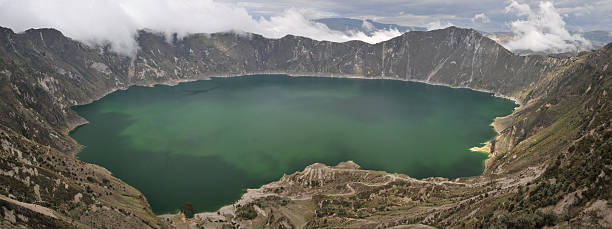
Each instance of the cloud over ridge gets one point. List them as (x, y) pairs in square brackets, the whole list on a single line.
[(542, 30), (116, 22), (539, 27)]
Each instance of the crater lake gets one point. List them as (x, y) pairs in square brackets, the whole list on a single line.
[(207, 141)]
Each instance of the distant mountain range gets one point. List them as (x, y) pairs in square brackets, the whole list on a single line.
[(367, 26), (598, 38)]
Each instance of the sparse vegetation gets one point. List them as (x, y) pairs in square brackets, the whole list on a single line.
[(246, 212)]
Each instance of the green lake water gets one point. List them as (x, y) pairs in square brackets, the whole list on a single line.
[(207, 141)]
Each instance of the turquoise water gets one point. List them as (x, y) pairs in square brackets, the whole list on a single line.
[(207, 141)]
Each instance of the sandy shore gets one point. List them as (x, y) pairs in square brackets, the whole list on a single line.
[(483, 148)]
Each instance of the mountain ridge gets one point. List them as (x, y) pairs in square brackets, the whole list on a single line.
[(598, 38)]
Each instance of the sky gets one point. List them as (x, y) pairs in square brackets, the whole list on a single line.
[(486, 15), (541, 26)]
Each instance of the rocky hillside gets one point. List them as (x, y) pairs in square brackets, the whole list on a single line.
[(564, 123)]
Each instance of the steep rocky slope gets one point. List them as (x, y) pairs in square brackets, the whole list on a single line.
[(562, 128)]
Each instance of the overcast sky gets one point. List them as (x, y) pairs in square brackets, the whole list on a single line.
[(578, 14)]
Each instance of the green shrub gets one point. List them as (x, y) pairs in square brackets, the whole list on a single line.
[(247, 212)]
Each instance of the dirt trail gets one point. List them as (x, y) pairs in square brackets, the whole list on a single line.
[(33, 207)]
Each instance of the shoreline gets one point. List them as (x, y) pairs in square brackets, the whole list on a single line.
[(174, 82), (228, 208), (484, 147)]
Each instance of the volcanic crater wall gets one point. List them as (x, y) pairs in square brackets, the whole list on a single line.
[(43, 74)]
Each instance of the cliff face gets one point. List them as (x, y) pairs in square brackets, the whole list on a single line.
[(43, 73), (453, 56)]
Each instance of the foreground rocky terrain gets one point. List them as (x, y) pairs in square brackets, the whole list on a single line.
[(550, 164)]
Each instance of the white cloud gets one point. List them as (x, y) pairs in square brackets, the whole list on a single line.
[(542, 30), (375, 37), (438, 25), (366, 25), (481, 17), (116, 22), (90, 21)]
